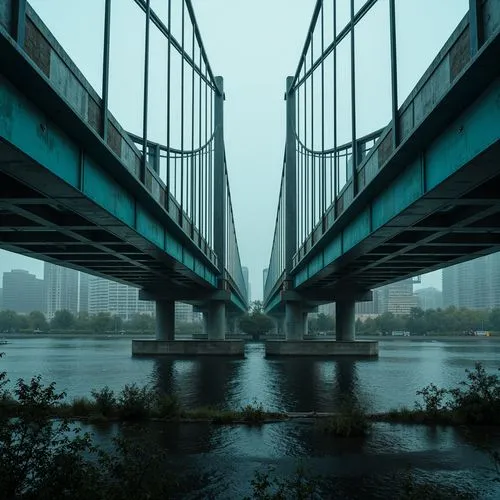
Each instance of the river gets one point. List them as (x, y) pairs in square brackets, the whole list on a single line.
[(363, 468)]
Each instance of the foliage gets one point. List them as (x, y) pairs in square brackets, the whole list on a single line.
[(37, 453), (452, 320), (351, 421), (37, 321), (253, 413), (415, 490), (63, 320), (166, 406), (134, 402), (301, 486), (322, 323), (476, 400), (434, 400), (105, 400), (256, 322), (82, 407)]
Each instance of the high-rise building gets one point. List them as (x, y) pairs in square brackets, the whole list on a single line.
[(397, 298), (474, 284), (429, 298), (23, 292), (123, 300), (116, 298), (83, 294), (61, 289), (244, 270)]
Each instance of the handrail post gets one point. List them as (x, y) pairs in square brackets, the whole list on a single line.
[(19, 21), (290, 179), (475, 25), (220, 188)]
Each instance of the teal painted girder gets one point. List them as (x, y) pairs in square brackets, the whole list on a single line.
[(477, 129), (23, 126)]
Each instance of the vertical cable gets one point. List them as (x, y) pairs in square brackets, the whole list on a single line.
[(323, 165), (313, 160), (169, 52), (105, 69), (142, 175), (182, 106), (354, 152), (335, 153)]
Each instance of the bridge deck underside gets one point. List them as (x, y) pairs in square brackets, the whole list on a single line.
[(457, 221), (59, 224)]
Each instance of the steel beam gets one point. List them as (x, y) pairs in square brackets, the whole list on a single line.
[(220, 181), (290, 179)]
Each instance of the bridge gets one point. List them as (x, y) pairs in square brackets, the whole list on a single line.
[(77, 189), (417, 195)]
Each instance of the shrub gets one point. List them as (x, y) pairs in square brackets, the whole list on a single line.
[(253, 413), (105, 400), (351, 421), (477, 400), (81, 407), (167, 405), (135, 402), (435, 400)]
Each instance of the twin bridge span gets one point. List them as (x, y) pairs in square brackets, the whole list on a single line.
[(150, 208), (421, 192), (150, 205)]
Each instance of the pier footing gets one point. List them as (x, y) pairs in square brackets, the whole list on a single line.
[(188, 347), (321, 348)]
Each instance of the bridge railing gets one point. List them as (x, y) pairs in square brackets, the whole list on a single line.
[(331, 158), (233, 269), (176, 158), (276, 267)]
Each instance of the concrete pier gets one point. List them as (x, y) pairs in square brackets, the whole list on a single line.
[(325, 348), (165, 320), (216, 321), (294, 321), (345, 320), (188, 348)]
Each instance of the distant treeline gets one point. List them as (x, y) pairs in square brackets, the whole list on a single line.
[(433, 321), (65, 321)]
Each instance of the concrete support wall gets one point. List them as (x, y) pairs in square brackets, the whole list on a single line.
[(345, 320), (216, 324), (294, 321), (165, 320)]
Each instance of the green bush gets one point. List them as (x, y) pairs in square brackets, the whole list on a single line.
[(167, 406), (135, 403), (477, 399), (105, 400), (253, 413), (82, 407), (351, 421)]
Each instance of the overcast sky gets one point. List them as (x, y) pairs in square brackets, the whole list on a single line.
[(254, 45)]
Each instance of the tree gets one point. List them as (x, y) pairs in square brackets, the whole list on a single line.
[(256, 322), (101, 322), (37, 321), (63, 320), (9, 321), (82, 321), (142, 323)]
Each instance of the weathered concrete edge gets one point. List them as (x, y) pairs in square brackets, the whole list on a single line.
[(188, 347), (324, 348)]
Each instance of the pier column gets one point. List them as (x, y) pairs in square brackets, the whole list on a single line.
[(345, 320), (306, 323), (294, 321), (216, 324), (165, 320)]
